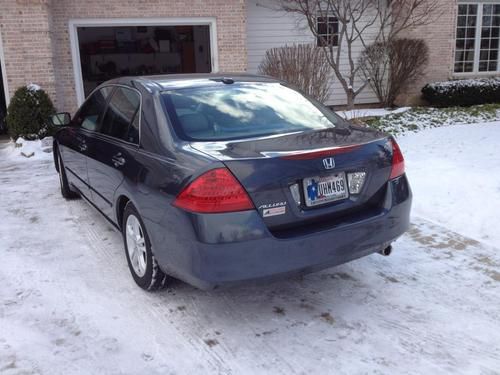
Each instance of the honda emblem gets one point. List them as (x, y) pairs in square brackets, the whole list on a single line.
[(329, 163)]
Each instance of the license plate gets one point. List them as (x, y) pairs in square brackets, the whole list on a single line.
[(320, 190)]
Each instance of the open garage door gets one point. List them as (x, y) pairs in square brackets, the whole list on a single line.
[(108, 52)]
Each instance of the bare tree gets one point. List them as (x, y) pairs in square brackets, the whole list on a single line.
[(393, 65), (360, 22), (302, 65)]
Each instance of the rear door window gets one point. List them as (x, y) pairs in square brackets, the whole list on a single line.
[(133, 131), (121, 119), (90, 114)]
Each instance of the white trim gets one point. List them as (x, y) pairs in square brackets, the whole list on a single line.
[(475, 74), (74, 24), (4, 73), (477, 1), (477, 41)]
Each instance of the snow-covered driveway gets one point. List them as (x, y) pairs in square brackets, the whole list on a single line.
[(69, 306)]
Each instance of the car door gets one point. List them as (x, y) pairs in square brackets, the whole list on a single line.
[(75, 148), (112, 148)]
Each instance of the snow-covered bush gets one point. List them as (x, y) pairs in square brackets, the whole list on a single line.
[(463, 93), (28, 113)]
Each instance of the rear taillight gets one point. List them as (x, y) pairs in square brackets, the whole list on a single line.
[(214, 191), (398, 162)]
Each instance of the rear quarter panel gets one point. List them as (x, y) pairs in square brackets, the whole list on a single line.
[(161, 166)]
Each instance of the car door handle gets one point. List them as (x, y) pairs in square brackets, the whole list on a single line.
[(82, 146), (118, 160)]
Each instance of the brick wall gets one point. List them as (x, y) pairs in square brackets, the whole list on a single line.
[(25, 32), (37, 42), (440, 37)]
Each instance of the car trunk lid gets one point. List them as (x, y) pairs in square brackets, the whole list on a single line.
[(278, 172)]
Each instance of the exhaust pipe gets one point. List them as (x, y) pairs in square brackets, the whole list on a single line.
[(386, 251)]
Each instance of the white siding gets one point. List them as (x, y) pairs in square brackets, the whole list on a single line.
[(268, 28)]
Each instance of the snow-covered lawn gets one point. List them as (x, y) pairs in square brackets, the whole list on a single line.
[(404, 120), (69, 306), (455, 176)]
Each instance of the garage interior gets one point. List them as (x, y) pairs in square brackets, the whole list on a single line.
[(110, 52)]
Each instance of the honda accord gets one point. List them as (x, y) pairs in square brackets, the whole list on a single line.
[(218, 179)]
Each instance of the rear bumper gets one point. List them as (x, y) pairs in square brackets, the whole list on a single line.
[(208, 251)]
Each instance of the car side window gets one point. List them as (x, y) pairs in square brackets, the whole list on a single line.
[(92, 110), (121, 119)]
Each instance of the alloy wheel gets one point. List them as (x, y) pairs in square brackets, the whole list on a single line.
[(136, 245)]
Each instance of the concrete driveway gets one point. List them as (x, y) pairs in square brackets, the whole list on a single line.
[(69, 306)]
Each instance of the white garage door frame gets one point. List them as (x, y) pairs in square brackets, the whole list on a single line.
[(4, 73), (74, 24)]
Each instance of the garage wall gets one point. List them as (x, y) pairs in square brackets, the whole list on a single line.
[(268, 28), (37, 43), (25, 32), (230, 29)]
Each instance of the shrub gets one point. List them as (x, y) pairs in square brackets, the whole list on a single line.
[(3, 127), (302, 65), (392, 66), (28, 113), (462, 93)]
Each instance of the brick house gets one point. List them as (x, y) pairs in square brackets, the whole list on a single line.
[(70, 46)]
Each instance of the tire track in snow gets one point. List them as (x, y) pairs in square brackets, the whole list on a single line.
[(256, 346)]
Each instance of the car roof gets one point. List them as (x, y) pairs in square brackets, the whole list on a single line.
[(165, 82)]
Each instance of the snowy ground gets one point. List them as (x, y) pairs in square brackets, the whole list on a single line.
[(455, 175), (69, 306), (404, 120)]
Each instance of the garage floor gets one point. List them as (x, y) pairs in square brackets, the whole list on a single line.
[(69, 305)]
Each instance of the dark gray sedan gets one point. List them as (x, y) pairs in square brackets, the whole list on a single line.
[(217, 179)]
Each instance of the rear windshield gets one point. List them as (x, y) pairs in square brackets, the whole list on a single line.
[(243, 110)]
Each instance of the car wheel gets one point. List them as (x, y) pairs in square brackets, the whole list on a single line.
[(66, 192), (141, 261)]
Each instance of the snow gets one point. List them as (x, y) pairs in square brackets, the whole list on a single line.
[(455, 176), (461, 84), (33, 87), (372, 112), (68, 304), (420, 118), (24, 149)]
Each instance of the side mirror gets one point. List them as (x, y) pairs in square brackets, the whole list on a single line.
[(61, 119)]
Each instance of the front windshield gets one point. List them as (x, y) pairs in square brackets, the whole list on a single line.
[(243, 110)]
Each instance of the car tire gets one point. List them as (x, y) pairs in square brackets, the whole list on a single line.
[(66, 192), (142, 264)]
